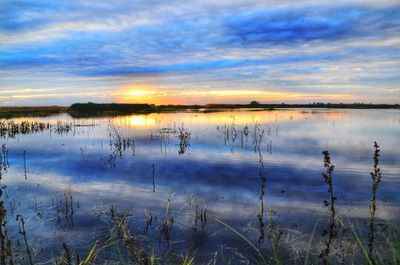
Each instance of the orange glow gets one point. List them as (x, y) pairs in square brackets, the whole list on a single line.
[(139, 93)]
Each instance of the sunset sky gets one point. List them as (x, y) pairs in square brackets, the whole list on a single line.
[(185, 52)]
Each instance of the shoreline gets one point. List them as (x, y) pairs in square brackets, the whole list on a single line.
[(113, 109)]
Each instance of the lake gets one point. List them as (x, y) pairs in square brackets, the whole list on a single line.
[(221, 186)]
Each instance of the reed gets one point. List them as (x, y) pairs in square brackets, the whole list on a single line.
[(154, 183), (184, 138), (6, 255), (118, 144), (200, 214), (166, 226), (11, 129), (134, 248), (23, 233), (331, 232), (376, 179), (4, 164), (260, 214), (25, 170)]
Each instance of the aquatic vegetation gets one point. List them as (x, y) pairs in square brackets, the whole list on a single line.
[(149, 220), (118, 144), (166, 225), (376, 178), (154, 183), (332, 229), (64, 209), (164, 135), (260, 214), (4, 164), (25, 169), (136, 251), (22, 231), (184, 138), (200, 213), (6, 244)]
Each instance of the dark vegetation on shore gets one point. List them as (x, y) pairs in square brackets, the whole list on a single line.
[(10, 112), (110, 109)]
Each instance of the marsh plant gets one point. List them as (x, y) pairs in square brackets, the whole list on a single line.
[(6, 254), (4, 164), (231, 132), (166, 225), (11, 129), (184, 140), (200, 212), (164, 135), (64, 209), (332, 229), (376, 179), (118, 144), (260, 214), (137, 252)]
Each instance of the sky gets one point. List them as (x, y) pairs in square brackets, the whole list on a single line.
[(199, 52)]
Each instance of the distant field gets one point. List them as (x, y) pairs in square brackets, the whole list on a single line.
[(95, 109), (9, 112)]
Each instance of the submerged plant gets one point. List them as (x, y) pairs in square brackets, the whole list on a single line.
[(64, 209), (135, 249), (3, 159), (23, 233), (154, 183), (200, 212), (25, 170), (260, 214), (166, 226)]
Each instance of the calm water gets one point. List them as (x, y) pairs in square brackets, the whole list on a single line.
[(212, 161)]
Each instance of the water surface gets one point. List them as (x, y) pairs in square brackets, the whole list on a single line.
[(254, 170)]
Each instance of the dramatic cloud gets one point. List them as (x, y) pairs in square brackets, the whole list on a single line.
[(86, 50)]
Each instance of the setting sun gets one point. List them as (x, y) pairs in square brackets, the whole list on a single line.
[(137, 93)]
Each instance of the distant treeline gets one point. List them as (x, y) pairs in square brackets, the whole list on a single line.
[(110, 109), (93, 109)]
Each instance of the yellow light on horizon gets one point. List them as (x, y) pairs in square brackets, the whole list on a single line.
[(143, 93), (140, 92), (135, 120), (137, 93)]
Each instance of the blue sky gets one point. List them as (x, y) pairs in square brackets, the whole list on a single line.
[(60, 52)]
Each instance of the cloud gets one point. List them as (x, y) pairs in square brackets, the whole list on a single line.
[(291, 26), (307, 47)]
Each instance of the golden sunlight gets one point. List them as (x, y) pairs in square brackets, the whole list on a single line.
[(135, 121), (143, 93), (137, 93)]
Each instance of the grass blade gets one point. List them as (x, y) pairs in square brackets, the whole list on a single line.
[(242, 237)]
